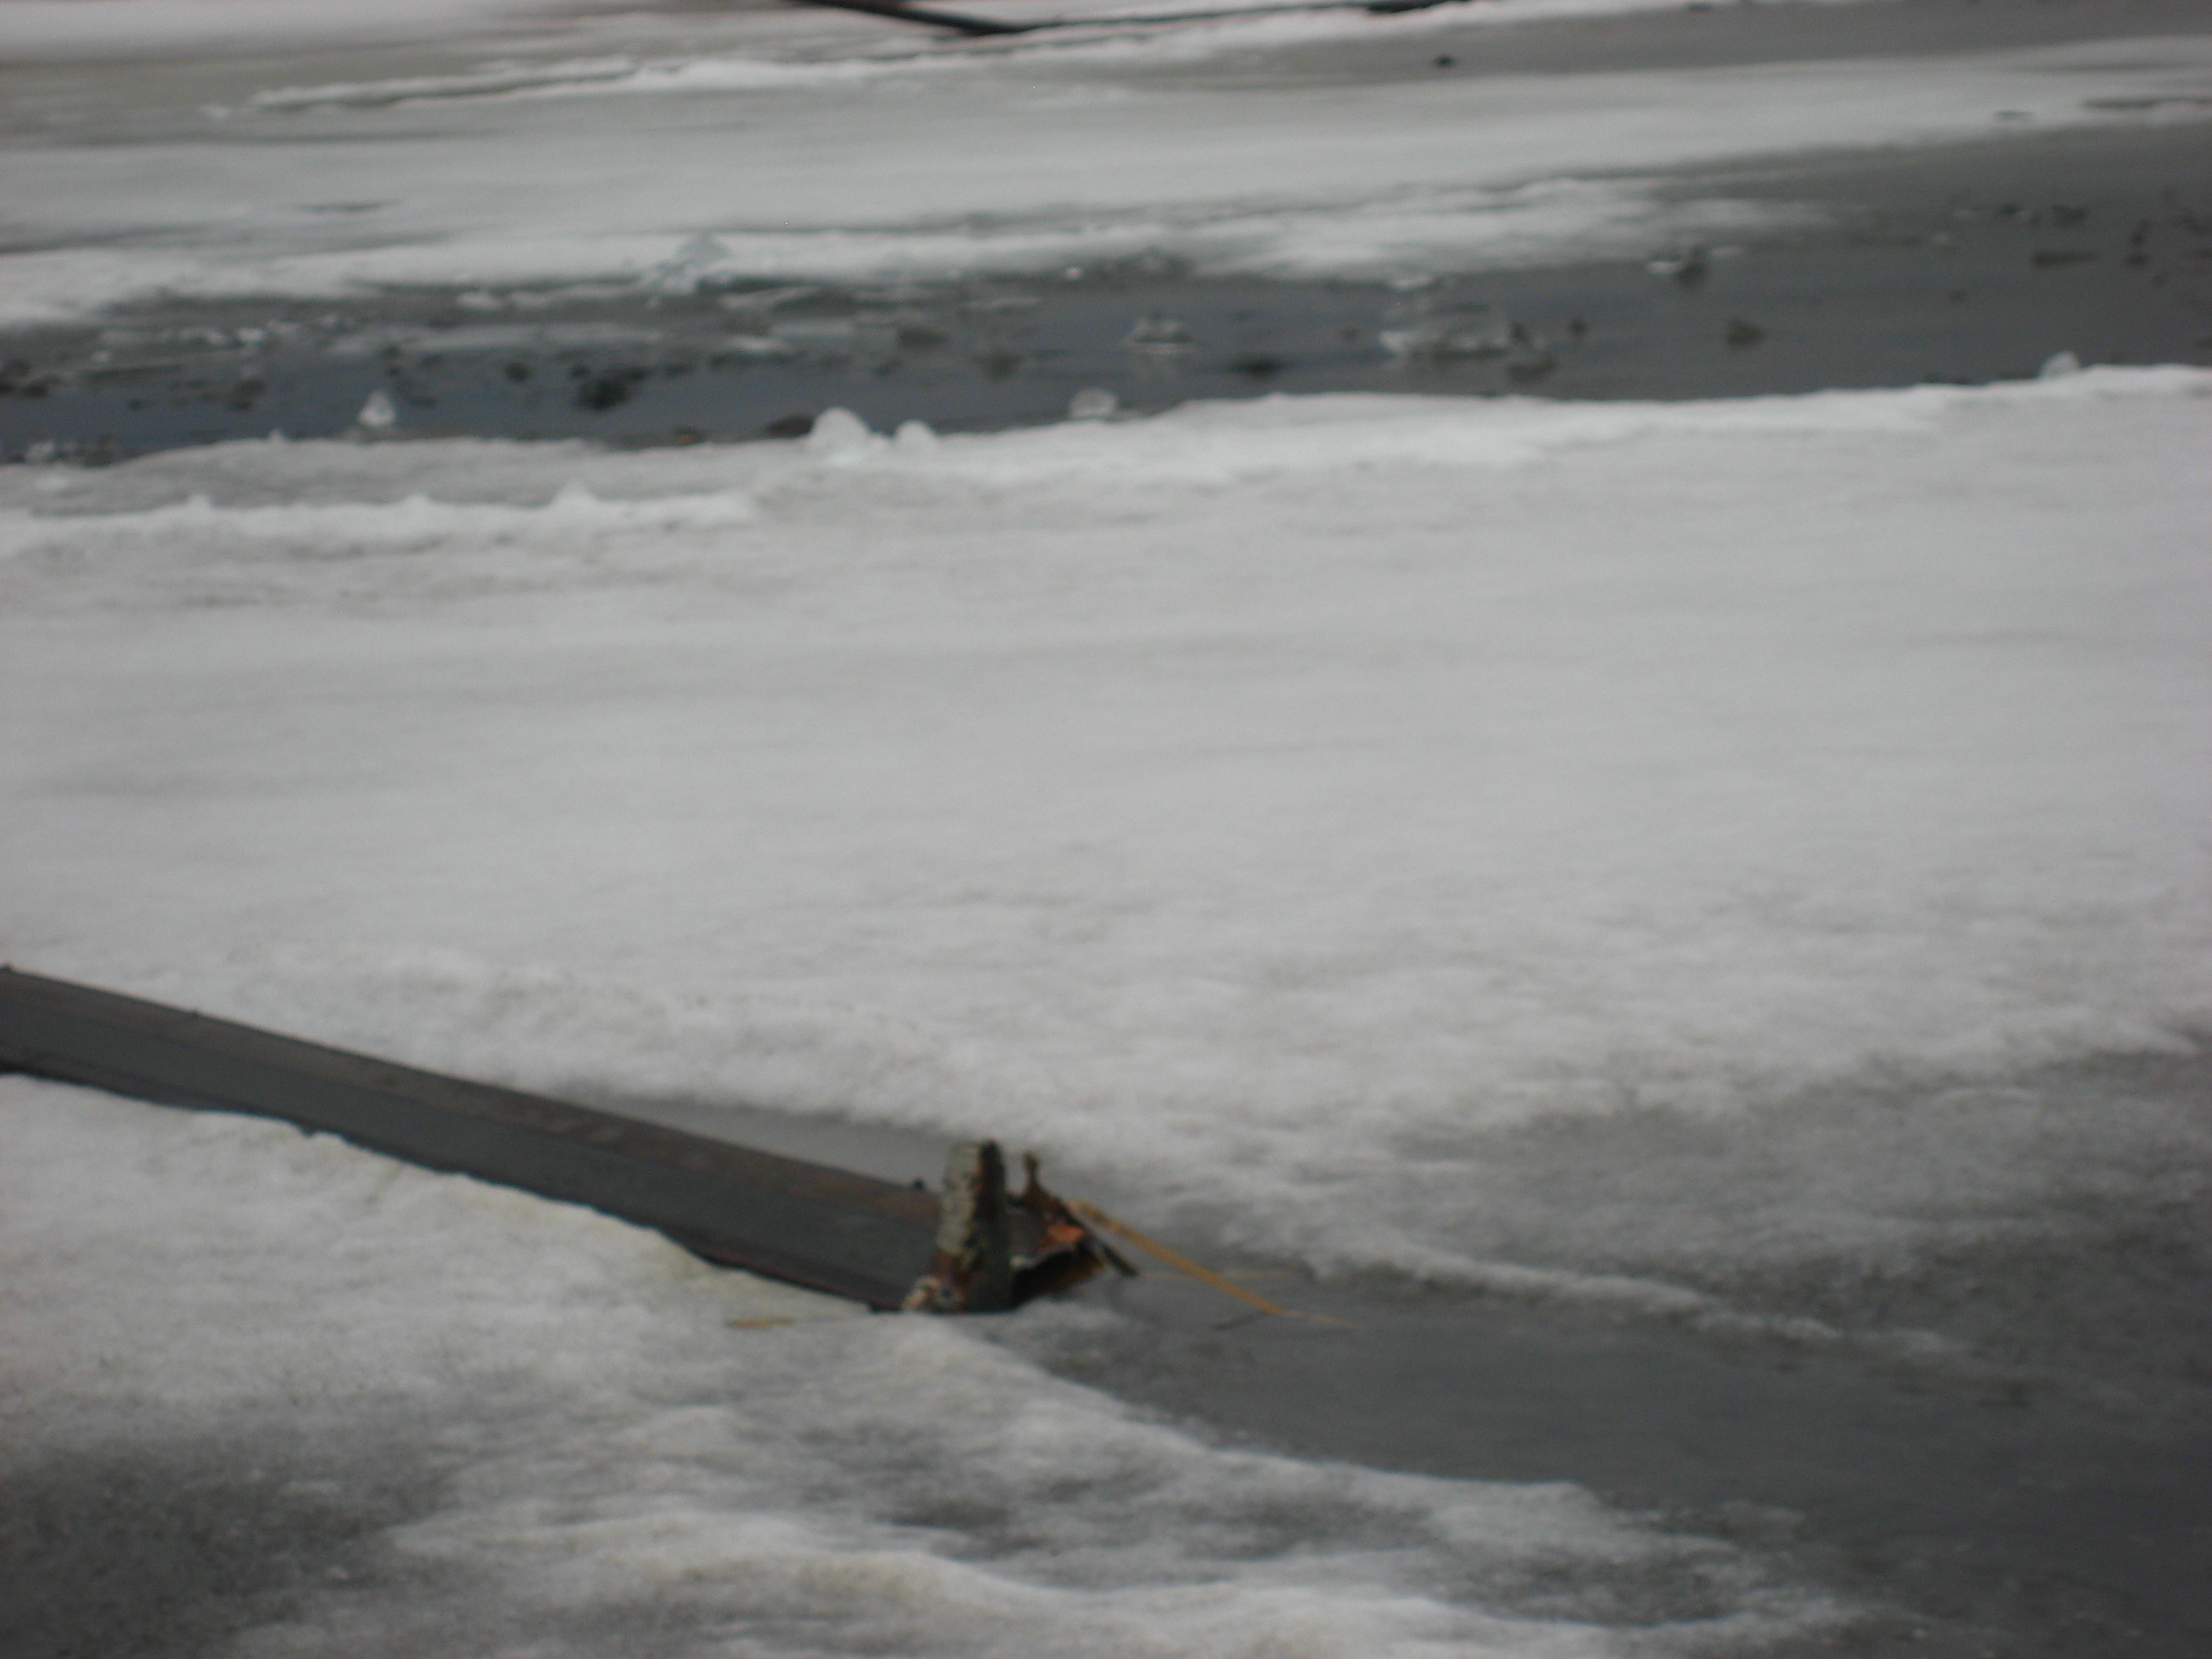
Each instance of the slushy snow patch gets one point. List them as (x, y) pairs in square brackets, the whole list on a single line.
[(615, 1448)]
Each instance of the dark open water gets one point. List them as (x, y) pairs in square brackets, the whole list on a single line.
[(1970, 264)]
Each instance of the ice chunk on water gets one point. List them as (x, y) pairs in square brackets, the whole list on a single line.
[(914, 436), (1093, 403), (1689, 268), (1157, 331), (826, 335), (838, 434), (701, 250), (1450, 337), (377, 415), (766, 299), (681, 271), (755, 347), (2058, 366)]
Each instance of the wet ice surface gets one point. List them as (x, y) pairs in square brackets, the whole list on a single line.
[(1481, 867), (2053, 1502), (1949, 1511), (1683, 924), (2036, 1482), (1964, 266), (460, 1418)]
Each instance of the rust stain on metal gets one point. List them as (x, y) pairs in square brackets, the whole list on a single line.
[(972, 1269), (996, 1251)]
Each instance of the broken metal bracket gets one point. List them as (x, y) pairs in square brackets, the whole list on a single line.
[(995, 1251)]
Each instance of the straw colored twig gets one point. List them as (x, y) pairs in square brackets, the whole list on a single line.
[(1183, 1264)]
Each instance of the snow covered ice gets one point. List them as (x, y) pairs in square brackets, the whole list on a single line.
[(1241, 802), (1291, 779), (617, 1469), (1696, 862)]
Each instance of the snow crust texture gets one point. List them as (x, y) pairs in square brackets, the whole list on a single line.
[(1284, 810), (617, 1449), (1739, 864)]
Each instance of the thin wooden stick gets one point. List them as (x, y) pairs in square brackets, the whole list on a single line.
[(1183, 1264)]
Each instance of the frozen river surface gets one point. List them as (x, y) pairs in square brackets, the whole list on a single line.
[(1682, 920)]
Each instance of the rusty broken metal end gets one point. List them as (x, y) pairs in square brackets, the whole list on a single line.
[(971, 1270), (995, 1250), (1063, 1236)]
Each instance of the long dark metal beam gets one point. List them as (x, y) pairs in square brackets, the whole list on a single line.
[(827, 1229)]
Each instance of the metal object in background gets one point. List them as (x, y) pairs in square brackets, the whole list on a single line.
[(962, 23)]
